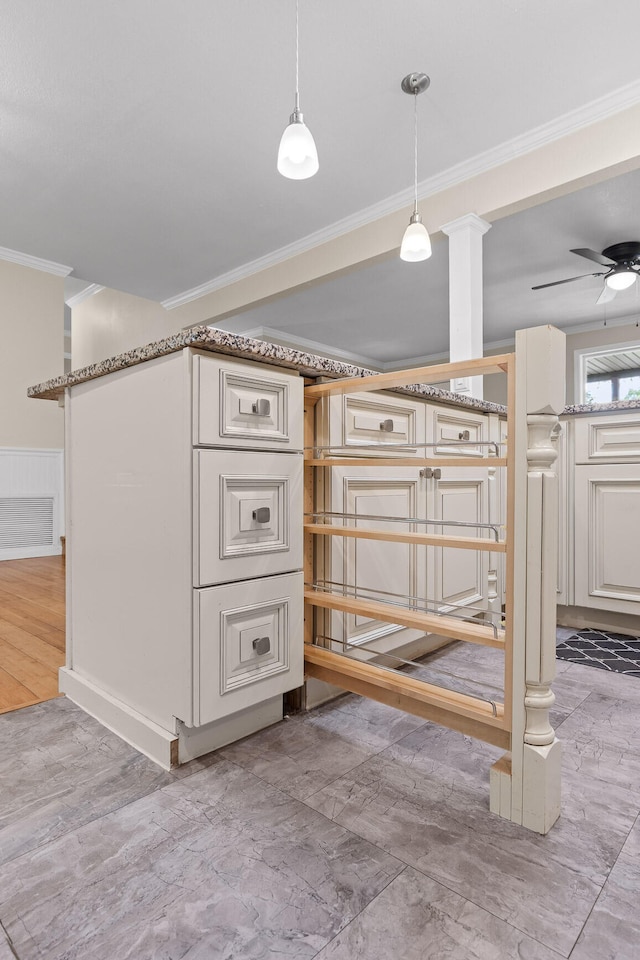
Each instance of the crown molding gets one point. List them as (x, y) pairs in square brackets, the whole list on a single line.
[(36, 263), (89, 291), (599, 109)]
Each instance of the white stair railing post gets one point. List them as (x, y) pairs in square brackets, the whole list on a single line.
[(525, 788)]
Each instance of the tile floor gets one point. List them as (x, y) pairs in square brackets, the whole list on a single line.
[(348, 833)]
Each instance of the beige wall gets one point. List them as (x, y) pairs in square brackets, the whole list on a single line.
[(111, 322), (32, 309)]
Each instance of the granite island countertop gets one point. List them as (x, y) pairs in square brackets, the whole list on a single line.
[(244, 348), (308, 364)]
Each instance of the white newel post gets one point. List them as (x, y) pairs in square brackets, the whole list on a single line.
[(525, 788), (465, 296)]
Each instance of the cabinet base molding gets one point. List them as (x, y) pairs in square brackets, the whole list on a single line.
[(585, 618), (165, 747), (155, 742)]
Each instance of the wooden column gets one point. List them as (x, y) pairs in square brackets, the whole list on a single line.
[(525, 786)]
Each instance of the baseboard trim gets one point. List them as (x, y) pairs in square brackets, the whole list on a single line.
[(194, 742), (582, 618), (153, 741)]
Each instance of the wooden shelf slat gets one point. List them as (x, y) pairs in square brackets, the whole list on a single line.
[(407, 462), (457, 711), (430, 539), (435, 373), (429, 622)]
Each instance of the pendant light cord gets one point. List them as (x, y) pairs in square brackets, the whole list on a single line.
[(297, 65), (415, 149)]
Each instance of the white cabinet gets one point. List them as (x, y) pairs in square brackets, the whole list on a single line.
[(444, 579), (607, 554)]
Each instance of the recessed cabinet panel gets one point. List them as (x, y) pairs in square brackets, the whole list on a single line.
[(377, 569), (460, 576), (248, 520), (607, 560), (358, 420), (239, 405), (453, 426), (607, 439), (247, 652)]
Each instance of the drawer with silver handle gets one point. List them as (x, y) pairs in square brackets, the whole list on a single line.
[(248, 644), (246, 405), (248, 514)]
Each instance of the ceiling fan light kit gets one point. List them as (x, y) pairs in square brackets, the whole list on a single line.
[(416, 242), (297, 154), (623, 262)]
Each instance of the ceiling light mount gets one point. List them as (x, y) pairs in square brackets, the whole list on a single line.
[(415, 83), (416, 243)]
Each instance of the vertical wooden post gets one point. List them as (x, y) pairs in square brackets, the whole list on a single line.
[(309, 506), (525, 788)]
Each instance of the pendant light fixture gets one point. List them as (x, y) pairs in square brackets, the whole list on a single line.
[(297, 156), (416, 243)]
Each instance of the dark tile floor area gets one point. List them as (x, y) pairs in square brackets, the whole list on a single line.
[(351, 832)]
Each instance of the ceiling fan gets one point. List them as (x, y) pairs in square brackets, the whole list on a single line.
[(623, 267)]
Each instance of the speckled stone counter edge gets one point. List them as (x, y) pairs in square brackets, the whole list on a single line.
[(246, 348)]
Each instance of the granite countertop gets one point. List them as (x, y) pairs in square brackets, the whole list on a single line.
[(309, 365), (245, 348)]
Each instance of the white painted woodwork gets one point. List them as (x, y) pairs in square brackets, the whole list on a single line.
[(607, 557), (465, 296), (31, 502), (564, 590), (354, 420), (458, 577), (144, 510), (245, 517), (247, 644), (393, 567), (608, 438), (243, 404), (446, 424), (533, 768), (129, 465)]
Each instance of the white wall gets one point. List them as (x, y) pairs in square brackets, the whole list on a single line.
[(111, 322), (32, 311)]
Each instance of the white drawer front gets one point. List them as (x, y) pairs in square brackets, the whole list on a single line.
[(610, 439), (242, 405), (248, 520), (358, 420), (249, 644), (448, 428)]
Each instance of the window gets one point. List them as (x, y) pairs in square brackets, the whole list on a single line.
[(604, 375)]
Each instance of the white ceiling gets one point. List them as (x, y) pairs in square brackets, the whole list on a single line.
[(139, 139)]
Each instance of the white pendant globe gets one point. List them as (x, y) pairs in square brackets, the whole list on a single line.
[(297, 155), (621, 279), (416, 243)]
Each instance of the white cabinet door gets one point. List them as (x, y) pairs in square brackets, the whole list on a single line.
[(379, 568), (458, 577), (607, 556)]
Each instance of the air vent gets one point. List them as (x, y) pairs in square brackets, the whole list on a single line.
[(26, 522)]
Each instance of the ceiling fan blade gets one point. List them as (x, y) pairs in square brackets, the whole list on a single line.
[(555, 283), (608, 293), (594, 255)]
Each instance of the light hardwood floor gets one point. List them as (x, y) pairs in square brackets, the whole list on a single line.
[(32, 630)]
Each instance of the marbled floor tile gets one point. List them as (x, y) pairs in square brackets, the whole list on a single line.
[(371, 724), (216, 865), (606, 682), (296, 758), (6, 953), (71, 770), (632, 844), (544, 886), (415, 918), (609, 722), (612, 932)]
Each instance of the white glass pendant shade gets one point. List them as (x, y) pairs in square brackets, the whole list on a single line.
[(621, 279), (297, 156), (416, 243)]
